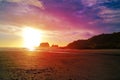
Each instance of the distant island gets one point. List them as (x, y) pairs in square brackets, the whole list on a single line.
[(103, 41), (46, 45)]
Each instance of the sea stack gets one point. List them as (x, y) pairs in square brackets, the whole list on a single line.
[(45, 45)]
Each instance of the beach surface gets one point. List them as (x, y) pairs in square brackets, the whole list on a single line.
[(59, 64)]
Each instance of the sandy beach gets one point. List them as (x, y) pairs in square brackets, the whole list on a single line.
[(60, 64)]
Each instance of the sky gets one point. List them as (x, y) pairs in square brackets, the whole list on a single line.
[(60, 21)]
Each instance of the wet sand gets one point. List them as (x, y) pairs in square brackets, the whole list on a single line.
[(60, 64)]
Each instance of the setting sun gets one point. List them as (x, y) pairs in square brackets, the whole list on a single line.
[(32, 38)]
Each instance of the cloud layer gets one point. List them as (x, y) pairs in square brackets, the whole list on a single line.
[(73, 18)]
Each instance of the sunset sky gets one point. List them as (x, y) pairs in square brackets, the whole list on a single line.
[(58, 21)]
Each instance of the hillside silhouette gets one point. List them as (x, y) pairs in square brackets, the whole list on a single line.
[(103, 41)]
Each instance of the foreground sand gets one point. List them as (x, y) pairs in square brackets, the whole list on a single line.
[(60, 65)]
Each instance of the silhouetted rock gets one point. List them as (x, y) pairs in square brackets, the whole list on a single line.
[(46, 44), (54, 46), (103, 41)]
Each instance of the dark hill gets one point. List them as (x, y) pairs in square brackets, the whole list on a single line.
[(103, 41)]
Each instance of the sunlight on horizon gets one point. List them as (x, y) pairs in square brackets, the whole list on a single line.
[(32, 38)]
